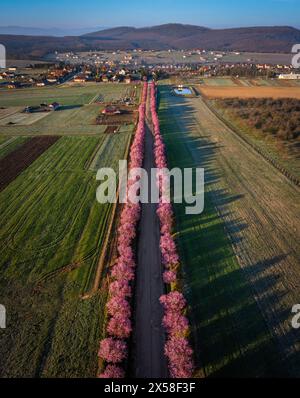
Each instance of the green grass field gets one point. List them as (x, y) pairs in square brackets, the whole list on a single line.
[(219, 81), (10, 144), (52, 229), (66, 95), (76, 116), (229, 332), (3, 139)]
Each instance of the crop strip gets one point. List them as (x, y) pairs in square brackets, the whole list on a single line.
[(17, 161)]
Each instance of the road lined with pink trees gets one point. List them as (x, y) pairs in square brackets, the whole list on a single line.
[(160, 329), (114, 349), (177, 348), (148, 359)]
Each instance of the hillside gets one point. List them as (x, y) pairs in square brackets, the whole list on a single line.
[(176, 36)]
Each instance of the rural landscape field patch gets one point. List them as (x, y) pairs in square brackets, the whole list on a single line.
[(149, 194), (251, 92), (217, 244), (51, 242)]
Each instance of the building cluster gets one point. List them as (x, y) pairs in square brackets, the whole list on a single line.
[(36, 76), (42, 108), (126, 67), (102, 74), (248, 70)]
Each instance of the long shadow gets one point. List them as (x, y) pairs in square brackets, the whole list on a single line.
[(230, 335), (68, 107)]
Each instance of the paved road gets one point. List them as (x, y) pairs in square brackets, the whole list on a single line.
[(149, 338)]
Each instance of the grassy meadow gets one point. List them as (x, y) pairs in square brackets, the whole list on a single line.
[(52, 232), (228, 330), (76, 116)]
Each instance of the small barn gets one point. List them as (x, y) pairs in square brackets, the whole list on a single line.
[(111, 110)]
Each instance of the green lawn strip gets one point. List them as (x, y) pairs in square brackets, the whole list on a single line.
[(74, 349), (230, 335), (11, 144), (66, 95)]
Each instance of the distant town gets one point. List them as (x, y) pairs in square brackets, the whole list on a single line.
[(130, 66)]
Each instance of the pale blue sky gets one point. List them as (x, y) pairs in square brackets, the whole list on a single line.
[(211, 13)]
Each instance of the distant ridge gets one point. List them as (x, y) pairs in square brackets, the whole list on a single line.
[(174, 36), (30, 31), (169, 31)]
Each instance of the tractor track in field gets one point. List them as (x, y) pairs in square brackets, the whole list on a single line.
[(259, 206)]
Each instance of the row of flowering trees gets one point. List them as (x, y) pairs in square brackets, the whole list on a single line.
[(177, 347), (113, 349)]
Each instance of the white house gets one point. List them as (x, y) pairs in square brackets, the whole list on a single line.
[(290, 76)]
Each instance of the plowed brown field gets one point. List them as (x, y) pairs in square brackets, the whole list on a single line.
[(17, 161), (251, 92)]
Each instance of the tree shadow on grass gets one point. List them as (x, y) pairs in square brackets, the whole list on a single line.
[(68, 107), (230, 335)]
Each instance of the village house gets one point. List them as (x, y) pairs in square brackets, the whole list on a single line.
[(51, 80), (263, 66), (57, 73), (42, 108), (289, 76), (111, 110), (8, 75), (54, 106), (80, 79), (105, 79)]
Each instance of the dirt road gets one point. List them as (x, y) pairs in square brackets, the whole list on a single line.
[(148, 339), (260, 209)]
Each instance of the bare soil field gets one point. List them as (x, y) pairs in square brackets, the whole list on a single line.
[(14, 163), (128, 116), (250, 92)]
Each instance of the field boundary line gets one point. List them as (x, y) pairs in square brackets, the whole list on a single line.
[(101, 261), (8, 142), (89, 162), (11, 114), (93, 100), (262, 153)]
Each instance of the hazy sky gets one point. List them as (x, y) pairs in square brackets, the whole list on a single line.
[(109, 13)]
